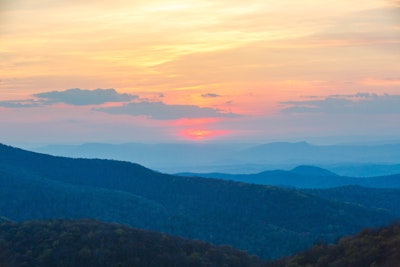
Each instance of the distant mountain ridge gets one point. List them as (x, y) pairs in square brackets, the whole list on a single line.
[(304, 177), (251, 217), (303, 152), (312, 171), (370, 160)]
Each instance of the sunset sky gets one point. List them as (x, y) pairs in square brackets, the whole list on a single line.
[(223, 70)]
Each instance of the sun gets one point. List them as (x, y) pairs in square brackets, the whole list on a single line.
[(200, 134)]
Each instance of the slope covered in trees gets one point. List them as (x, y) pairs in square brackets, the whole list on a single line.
[(59, 243), (264, 220), (369, 248), (386, 199)]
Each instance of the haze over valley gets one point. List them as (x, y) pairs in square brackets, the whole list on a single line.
[(199, 133), (360, 160)]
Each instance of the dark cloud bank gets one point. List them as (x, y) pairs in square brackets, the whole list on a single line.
[(79, 97), (161, 111), (75, 96), (132, 104), (210, 95)]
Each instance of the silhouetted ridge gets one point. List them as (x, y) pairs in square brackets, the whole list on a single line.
[(79, 171), (306, 170), (305, 177)]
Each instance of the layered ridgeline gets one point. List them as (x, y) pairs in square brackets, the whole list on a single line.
[(310, 177), (93, 243), (349, 160), (264, 220)]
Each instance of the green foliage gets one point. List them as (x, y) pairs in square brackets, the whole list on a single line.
[(369, 248), (264, 220), (62, 243)]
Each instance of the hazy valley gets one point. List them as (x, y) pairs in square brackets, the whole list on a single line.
[(199, 133), (358, 160)]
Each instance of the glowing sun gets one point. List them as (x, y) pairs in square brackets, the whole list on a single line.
[(191, 134)]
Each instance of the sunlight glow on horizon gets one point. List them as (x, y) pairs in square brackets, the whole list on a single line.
[(237, 61), (201, 135)]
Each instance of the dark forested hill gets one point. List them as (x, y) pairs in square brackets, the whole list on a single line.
[(369, 248), (93, 243), (264, 220)]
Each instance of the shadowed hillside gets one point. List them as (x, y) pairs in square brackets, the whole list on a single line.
[(93, 243), (264, 220), (387, 199), (369, 248)]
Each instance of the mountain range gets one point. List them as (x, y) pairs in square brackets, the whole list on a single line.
[(268, 221), (305, 177), (357, 160)]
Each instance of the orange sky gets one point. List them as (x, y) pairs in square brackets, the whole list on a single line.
[(253, 59)]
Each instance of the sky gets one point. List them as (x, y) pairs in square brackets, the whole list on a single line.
[(198, 71)]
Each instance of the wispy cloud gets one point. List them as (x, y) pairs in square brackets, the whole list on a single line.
[(161, 111), (81, 97), (357, 95), (364, 103), (129, 104), (30, 103), (210, 95)]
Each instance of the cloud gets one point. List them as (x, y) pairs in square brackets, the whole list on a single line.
[(210, 95), (360, 103), (357, 95), (20, 103), (161, 111), (81, 97)]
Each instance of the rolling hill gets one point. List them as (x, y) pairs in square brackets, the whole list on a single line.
[(380, 247), (265, 220), (57, 243)]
